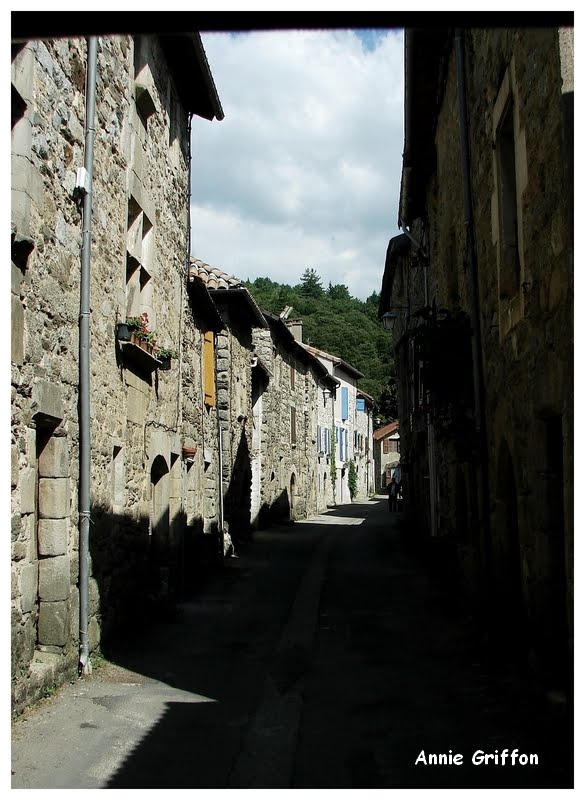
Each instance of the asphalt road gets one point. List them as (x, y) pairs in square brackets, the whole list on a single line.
[(326, 655)]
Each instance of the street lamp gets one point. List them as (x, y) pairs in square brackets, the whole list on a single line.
[(390, 317)]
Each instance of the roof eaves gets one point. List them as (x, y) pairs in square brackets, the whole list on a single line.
[(205, 305), (190, 68), (241, 293)]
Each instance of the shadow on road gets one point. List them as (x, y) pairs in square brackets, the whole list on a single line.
[(394, 670)]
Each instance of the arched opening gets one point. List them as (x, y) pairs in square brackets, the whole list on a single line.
[(292, 493), (158, 557)]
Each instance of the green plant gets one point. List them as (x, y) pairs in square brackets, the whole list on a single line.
[(352, 479), (139, 326), (98, 659), (166, 352), (333, 464), (138, 323)]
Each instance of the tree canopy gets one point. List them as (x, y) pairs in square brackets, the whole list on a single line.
[(311, 283), (341, 325)]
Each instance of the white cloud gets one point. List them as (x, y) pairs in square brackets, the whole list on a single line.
[(304, 171)]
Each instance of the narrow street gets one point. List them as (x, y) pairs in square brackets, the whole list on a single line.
[(325, 656)]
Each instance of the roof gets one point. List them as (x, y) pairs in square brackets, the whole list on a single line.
[(426, 52), (222, 286), (335, 360), (398, 246), (278, 324), (367, 397), (203, 306), (386, 430), (188, 64)]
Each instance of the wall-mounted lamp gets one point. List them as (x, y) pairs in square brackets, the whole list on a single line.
[(326, 395), (390, 317)]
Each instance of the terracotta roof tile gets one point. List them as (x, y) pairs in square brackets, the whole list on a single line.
[(215, 279), (387, 430), (212, 277)]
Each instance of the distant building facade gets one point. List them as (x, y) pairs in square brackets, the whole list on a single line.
[(344, 446), (386, 453)]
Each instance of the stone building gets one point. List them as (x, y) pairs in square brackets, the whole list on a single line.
[(480, 286), (296, 479), (101, 167), (363, 453), (386, 453), (345, 414), (268, 391), (240, 379)]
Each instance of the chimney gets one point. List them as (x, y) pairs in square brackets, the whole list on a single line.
[(295, 326)]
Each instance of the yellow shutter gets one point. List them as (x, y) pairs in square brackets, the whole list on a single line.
[(208, 369)]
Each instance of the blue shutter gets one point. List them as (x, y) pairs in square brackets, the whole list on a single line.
[(360, 404), (346, 445), (344, 402)]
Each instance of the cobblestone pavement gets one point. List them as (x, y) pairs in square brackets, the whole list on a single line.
[(324, 656)]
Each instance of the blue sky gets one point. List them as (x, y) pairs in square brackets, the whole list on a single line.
[(304, 171)]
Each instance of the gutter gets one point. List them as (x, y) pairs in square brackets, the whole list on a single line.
[(84, 373)]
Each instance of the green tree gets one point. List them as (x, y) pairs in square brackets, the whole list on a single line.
[(311, 283), (333, 464), (338, 292), (342, 325), (352, 479)]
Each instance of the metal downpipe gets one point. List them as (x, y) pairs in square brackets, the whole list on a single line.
[(84, 373)]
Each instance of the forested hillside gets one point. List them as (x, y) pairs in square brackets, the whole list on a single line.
[(340, 324)]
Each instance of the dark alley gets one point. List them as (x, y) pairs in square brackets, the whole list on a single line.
[(328, 654)]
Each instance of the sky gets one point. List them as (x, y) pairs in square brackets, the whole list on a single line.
[(304, 170)]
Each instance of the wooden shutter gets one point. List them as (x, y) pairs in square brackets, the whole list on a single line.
[(208, 368), (344, 402)]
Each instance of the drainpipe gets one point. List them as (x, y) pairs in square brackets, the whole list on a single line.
[(84, 379), (220, 482), (473, 289)]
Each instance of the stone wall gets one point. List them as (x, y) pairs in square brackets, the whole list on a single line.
[(234, 402), (515, 90), (362, 452), (294, 476), (142, 489)]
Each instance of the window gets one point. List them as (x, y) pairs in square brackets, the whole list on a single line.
[(293, 425), (509, 264), (510, 176), (344, 402)]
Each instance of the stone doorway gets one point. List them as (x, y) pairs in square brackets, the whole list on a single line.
[(158, 556)]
